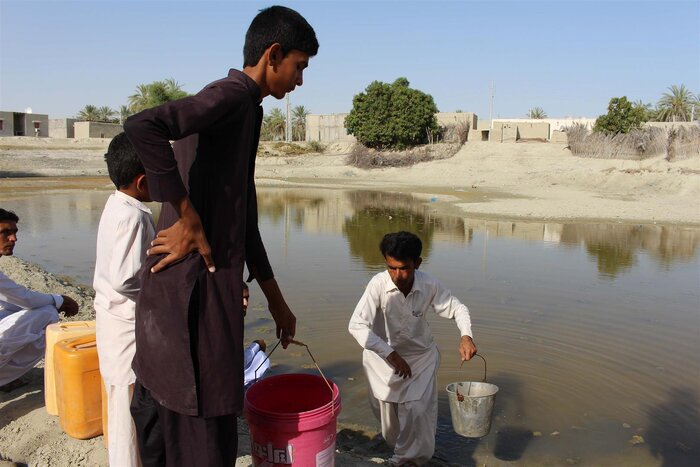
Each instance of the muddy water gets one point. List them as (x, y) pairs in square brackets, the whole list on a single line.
[(591, 331)]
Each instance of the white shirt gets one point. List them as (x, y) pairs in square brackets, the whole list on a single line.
[(255, 364), (125, 232), (14, 297), (385, 321)]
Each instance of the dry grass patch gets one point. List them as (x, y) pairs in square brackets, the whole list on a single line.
[(365, 158), (639, 144), (282, 149), (683, 143)]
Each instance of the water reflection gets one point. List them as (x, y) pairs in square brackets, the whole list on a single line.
[(363, 217), (615, 246), (376, 214)]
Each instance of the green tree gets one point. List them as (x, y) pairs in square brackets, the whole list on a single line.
[(154, 94), (537, 113), (89, 113), (622, 116), (273, 125), (299, 114), (392, 116), (675, 106)]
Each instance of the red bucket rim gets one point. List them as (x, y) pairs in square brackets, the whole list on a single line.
[(332, 405)]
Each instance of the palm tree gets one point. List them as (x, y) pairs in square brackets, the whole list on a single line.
[(536, 112), (299, 114), (274, 125), (139, 100), (649, 111), (172, 86), (124, 113), (154, 94), (105, 114), (89, 113), (675, 106)]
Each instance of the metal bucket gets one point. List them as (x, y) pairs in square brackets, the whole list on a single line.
[(471, 406)]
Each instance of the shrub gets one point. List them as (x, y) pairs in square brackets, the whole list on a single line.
[(392, 116), (458, 133), (316, 146), (622, 117), (367, 158)]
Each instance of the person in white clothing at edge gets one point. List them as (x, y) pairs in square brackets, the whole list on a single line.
[(400, 358), (24, 315), (125, 233), (255, 361)]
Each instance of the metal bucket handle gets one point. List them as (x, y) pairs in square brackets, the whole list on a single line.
[(460, 397), (299, 343)]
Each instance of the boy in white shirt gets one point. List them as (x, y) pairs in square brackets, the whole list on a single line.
[(125, 233), (400, 358)]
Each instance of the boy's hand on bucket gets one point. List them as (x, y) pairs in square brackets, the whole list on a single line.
[(284, 318), (401, 368), (467, 348), (286, 325)]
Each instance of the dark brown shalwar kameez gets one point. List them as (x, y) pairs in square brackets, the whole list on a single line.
[(189, 322)]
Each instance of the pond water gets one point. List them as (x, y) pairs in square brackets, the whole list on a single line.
[(591, 331)]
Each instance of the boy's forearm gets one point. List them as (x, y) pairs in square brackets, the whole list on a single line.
[(272, 292)]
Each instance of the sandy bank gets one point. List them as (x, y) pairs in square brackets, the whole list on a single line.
[(538, 181)]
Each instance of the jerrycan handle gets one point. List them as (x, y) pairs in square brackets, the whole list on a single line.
[(74, 324), (84, 342)]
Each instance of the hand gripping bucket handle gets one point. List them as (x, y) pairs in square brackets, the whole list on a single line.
[(460, 397), (299, 343)]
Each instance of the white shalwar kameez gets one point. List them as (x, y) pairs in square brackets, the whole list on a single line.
[(125, 233), (24, 315), (255, 364), (385, 321)]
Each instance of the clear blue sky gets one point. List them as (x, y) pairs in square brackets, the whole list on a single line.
[(568, 57)]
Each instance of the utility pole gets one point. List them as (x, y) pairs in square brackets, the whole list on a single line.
[(288, 126), (493, 94)]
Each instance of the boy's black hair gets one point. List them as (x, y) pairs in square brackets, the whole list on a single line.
[(8, 216), (282, 25), (401, 245), (123, 163)]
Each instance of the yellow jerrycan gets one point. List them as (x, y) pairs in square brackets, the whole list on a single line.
[(78, 387), (57, 332)]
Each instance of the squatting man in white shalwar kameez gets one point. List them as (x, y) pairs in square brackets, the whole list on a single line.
[(400, 358), (123, 237), (24, 315)]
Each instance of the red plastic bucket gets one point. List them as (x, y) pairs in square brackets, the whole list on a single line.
[(292, 420)]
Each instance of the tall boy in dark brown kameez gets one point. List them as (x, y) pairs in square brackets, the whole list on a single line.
[(189, 319)]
